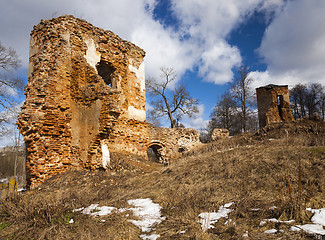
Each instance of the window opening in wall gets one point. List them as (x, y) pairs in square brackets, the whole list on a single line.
[(105, 70), (280, 100), (154, 153), (280, 104)]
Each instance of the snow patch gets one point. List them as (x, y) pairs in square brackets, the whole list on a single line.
[(94, 210), (271, 231), (209, 218), (149, 237), (318, 220), (319, 216), (278, 221), (309, 228), (147, 212)]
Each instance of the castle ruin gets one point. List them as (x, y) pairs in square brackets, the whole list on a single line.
[(273, 104), (85, 99)]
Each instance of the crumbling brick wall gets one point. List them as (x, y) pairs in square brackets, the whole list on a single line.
[(85, 98), (219, 133), (273, 104)]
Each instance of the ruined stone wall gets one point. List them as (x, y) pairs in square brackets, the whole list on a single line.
[(173, 140), (81, 79), (219, 133), (85, 99), (273, 104)]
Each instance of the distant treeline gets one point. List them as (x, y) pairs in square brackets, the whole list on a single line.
[(307, 100), (12, 161)]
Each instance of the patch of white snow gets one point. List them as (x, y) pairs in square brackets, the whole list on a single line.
[(245, 235), (271, 231), (102, 211), (94, 210), (319, 216), (255, 209), (209, 218), (147, 212), (310, 228), (316, 228), (149, 237), (278, 221), (89, 209)]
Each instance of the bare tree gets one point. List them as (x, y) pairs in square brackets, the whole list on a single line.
[(313, 98), (298, 95), (306, 101), (173, 103), (225, 113), (10, 88), (9, 85), (243, 95), (322, 105)]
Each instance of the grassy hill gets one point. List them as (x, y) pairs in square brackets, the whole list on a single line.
[(275, 173)]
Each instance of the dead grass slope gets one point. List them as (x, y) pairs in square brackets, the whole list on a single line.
[(250, 170)]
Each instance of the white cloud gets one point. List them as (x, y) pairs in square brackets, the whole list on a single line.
[(217, 62), (163, 49), (197, 122), (208, 23), (205, 22), (293, 45)]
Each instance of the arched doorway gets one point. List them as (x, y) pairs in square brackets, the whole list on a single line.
[(155, 152)]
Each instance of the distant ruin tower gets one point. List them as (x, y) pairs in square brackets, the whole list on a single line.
[(273, 104)]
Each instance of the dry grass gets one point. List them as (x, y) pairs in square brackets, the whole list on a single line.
[(251, 171)]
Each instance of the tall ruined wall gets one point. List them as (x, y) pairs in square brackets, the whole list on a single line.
[(81, 79), (273, 104), (85, 99)]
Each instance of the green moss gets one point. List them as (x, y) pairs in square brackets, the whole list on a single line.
[(3, 225)]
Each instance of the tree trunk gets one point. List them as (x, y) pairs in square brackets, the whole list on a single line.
[(172, 122)]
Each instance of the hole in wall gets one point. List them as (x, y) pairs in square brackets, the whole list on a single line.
[(154, 153), (280, 100), (105, 70), (280, 105)]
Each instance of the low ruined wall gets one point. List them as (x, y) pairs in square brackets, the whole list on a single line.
[(218, 133)]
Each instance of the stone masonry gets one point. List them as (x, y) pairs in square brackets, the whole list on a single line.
[(273, 104), (219, 133), (85, 99)]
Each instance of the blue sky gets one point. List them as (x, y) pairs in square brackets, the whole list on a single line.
[(282, 41)]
